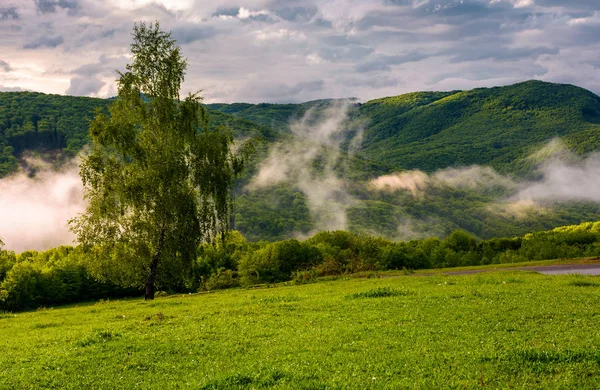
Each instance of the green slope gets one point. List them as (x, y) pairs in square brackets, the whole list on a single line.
[(32, 121), (274, 116), (498, 126)]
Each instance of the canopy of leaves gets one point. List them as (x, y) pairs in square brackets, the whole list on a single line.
[(158, 177)]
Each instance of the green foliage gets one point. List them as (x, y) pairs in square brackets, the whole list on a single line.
[(35, 121), (405, 255), (56, 276), (273, 116), (215, 262), (62, 275), (272, 214), (158, 178), (460, 241), (276, 262), (7, 261), (223, 278)]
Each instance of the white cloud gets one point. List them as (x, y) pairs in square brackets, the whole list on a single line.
[(315, 59), (245, 13), (516, 3), (130, 5), (523, 3), (281, 42), (278, 34)]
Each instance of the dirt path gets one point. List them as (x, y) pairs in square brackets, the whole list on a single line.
[(560, 269)]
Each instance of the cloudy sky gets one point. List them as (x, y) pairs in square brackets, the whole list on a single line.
[(298, 50)]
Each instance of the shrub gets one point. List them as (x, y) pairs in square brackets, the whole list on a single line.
[(276, 262), (20, 288), (305, 276), (223, 278), (7, 261), (329, 267), (460, 241)]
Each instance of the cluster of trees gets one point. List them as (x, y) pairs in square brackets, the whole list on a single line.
[(36, 121), (33, 279), (57, 276)]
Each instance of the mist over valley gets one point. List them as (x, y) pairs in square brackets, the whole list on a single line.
[(404, 167)]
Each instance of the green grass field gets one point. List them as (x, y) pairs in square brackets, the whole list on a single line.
[(501, 329)]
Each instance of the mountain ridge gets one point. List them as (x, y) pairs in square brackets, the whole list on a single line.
[(498, 128)]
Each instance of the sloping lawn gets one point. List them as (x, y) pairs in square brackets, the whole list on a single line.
[(503, 329)]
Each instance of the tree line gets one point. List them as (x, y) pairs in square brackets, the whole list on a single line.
[(62, 275)]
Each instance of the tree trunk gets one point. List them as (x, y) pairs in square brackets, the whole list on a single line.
[(153, 266)]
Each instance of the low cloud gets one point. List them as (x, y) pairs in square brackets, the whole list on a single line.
[(562, 177), (415, 182), (473, 178), (35, 210), (308, 160), (411, 228), (566, 181), (85, 86), (4, 88), (520, 209)]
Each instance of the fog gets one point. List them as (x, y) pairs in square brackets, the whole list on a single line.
[(307, 161), (475, 178), (561, 177), (34, 211), (563, 181), (415, 182)]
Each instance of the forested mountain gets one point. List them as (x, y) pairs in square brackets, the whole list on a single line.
[(498, 127), (30, 121)]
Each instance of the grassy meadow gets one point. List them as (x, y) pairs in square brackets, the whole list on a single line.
[(499, 329)]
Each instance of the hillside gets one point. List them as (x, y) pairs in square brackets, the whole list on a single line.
[(509, 329), (31, 121), (498, 127)]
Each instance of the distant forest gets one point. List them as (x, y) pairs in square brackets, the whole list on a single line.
[(497, 127)]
